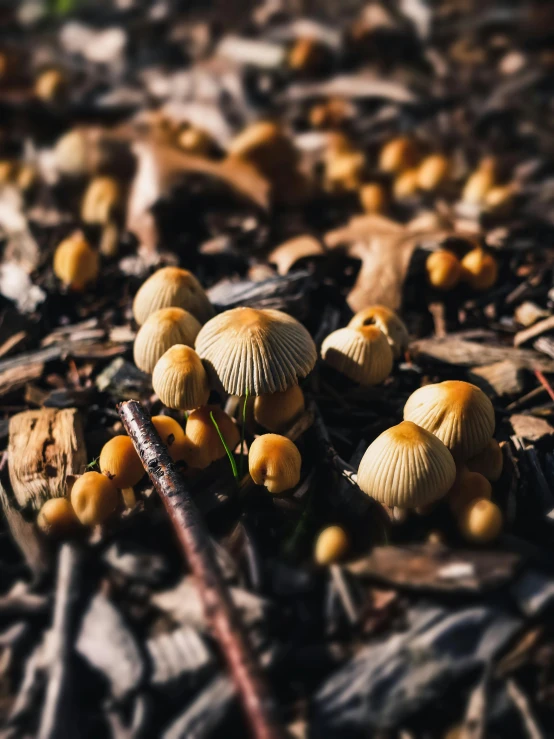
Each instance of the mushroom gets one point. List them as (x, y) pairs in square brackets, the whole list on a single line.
[(172, 435), (120, 462), (480, 182), (101, 200), (467, 486), (443, 269), (256, 351), (489, 462), (373, 198), (479, 269), (94, 498), (361, 354), (331, 545), (344, 171), (397, 155), (206, 443), (51, 86), (457, 412), (162, 330), (406, 466), (406, 184), (308, 56), (179, 378), (274, 461), (57, 518), (480, 521), (76, 263), (276, 411), (432, 172), (171, 287), (386, 321)]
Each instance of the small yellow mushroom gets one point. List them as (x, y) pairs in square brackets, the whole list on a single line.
[(120, 462), (101, 200), (171, 287), (479, 184), (94, 498), (489, 462), (276, 411), (76, 263), (480, 521), (362, 354), (398, 155), (172, 435), (57, 518), (179, 379), (274, 461), (206, 444), (432, 172), (386, 321), (406, 184), (51, 86), (479, 269), (373, 198), (444, 269), (467, 486), (162, 330), (331, 545)]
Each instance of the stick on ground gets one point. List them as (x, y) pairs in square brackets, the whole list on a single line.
[(254, 693)]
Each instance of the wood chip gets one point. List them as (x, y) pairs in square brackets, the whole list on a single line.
[(424, 566), (531, 427), (533, 331), (45, 446), (286, 255), (15, 378), (455, 351), (498, 379)]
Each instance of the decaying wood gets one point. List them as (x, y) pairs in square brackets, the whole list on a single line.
[(25, 535), (499, 378), (530, 427), (456, 351), (534, 331), (428, 566), (258, 704), (45, 447)]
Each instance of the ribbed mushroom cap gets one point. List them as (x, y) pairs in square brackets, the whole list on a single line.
[(386, 321), (458, 413), (179, 379), (162, 330), (362, 354), (406, 466), (259, 351), (171, 287)]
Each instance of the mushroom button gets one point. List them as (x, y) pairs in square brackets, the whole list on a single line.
[(274, 461), (162, 330), (406, 466), (94, 498), (361, 354), (386, 321), (179, 378), (171, 287), (206, 444), (120, 462), (457, 412), (277, 410)]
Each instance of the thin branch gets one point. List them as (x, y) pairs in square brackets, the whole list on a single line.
[(258, 703)]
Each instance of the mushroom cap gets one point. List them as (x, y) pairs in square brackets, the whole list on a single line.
[(259, 351), (489, 462), (102, 197), (406, 466), (76, 263), (480, 521), (444, 269), (179, 379), (172, 435), (57, 518), (275, 411), (480, 269), (162, 330), (432, 171), (398, 154), (386, 321), (120, 462), (274, 461), (331, 545), (171, 287), (457, 412), (362, 354), (94, 498), (206, 444)]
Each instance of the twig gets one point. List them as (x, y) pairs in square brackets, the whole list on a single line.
[(521, 702), (259, 706), (544, 382), (54, 721)]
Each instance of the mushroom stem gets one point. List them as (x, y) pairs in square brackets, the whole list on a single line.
[(258, 703)]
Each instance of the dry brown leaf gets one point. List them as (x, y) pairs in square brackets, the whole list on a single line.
[(287, 254), (385, 249), (160, 167)]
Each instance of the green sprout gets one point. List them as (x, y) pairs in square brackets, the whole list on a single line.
[(241, 461), (231, 458), (93, 464)]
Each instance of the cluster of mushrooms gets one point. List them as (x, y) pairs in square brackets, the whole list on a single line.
[(444, 447)]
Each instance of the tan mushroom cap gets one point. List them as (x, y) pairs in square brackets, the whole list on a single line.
[(406, 466), (259, 351), (179, 379), (361, 354), (171, 287), (162, 330), (76, 263), (386, 321), (457, 412)]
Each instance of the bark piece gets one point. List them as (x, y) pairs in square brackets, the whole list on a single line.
[(498, 378), (45, 446), (530, 427), (534, 331), (180, 656), (25, 535)]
